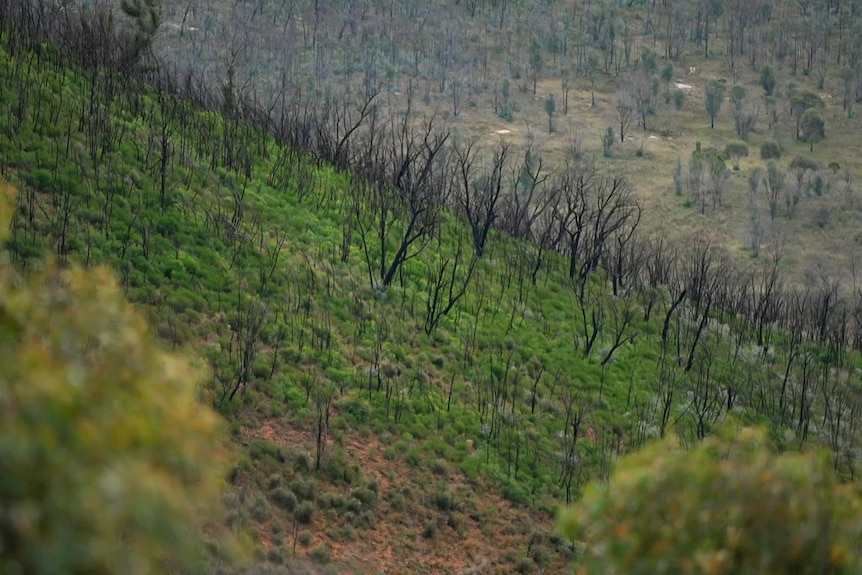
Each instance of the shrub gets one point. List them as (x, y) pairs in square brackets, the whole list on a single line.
[(414, 456), (539, 554), (304, 489), (359, 409), (337, 501), (366, 496), (363, 520), (524, 566), (274, 480), (731, 505), (263, 450), (439, 467), (305, 512), (456, 522), (430, 529), (337, 467), (275, 556), (261, 511), (397, 501), (515, 493), (283, 498), (321, 554), (301, 462), (304, 538), (443, 501)]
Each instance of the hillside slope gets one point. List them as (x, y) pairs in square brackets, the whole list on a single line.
[(384, 428)]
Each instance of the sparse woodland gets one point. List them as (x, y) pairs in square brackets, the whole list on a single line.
[(427, 334)]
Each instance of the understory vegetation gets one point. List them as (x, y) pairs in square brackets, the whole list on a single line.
[(366, 286)]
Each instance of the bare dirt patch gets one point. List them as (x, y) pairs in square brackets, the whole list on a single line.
[(488, 530)]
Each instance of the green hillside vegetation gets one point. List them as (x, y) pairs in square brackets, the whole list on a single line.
[(367, 287)]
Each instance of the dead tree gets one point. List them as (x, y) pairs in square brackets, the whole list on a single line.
[(397, 206), (448, 281), (479, 193)]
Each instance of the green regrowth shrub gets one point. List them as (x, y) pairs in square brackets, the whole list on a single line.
[(304, 538), (283, 498), (730, 506), (322, 554), (305, 513)]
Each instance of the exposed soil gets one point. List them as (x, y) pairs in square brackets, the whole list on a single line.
[(489, 534)]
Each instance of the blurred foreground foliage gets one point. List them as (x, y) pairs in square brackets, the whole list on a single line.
[(108, 463), (731, 505)]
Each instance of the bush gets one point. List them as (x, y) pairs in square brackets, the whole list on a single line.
[(261, 511), (366, 496), (414, 456), (305, 513), (275, 556), (731, 505), (304, 538), (304, 489), (397, 501), (321, 554), (515, 493), (439, 467), (274, 480), (359, 409), (337, 467), (430, 530), (444, 501), (263, 450), (524, 566), (456, 522), (302, 463), (539, 554), (283, 498), (337, 501)]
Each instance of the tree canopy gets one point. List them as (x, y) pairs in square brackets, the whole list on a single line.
[(714, 97), (813, 127)]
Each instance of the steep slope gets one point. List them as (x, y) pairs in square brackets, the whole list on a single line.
[(374, 422)]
